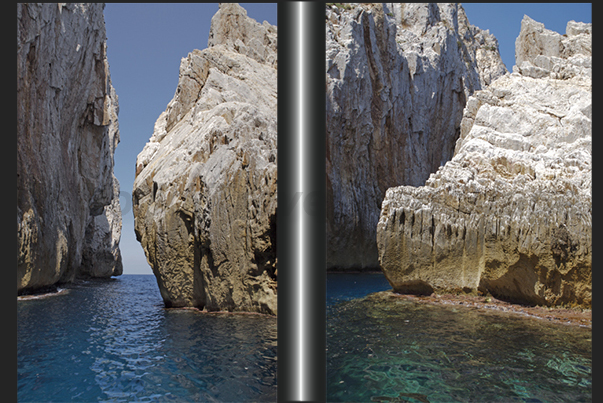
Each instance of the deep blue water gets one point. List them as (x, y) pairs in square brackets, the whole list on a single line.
[(114, 341), (348, 286), (389, 350)]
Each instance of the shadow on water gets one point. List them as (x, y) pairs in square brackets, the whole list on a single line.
[(343, 286)]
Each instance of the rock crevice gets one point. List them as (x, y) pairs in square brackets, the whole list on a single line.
[(68, 214), (204, 197), (511, 213), (398, 77)]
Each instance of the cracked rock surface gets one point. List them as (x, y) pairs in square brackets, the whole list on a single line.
[(204, 197), (511, 213), (68, 214), (397, 79)]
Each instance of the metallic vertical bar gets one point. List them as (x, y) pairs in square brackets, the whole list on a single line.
[(301, 212), (285, 224)]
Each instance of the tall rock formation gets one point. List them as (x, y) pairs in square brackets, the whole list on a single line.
[(68, 215), (204, 196), (511, 213), (398, 77)]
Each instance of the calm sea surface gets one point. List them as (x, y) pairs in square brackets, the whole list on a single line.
[(114, 341), (402, 351)]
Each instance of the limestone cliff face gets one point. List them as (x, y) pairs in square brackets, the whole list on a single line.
[(204, 197), (511, 213), (398, 77), (68, 216)]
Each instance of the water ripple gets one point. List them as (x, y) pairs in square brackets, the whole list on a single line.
[(114, 341), (406, 352)]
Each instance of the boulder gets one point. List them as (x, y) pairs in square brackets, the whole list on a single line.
[(511, 213), (204, 197)]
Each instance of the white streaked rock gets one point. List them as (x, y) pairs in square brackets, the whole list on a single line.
[(511, 213), (67, 131), (397, 80)]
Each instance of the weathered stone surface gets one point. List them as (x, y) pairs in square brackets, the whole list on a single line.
[(511, 213), (232, 28), (204, 196), (67, 132), (101, 256), (540, 52), (398, 77)]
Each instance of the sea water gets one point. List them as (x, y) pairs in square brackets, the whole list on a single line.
[(113, 340), (382, 350)]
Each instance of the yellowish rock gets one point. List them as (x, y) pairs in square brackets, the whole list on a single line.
[(204, 197), (511, 213)]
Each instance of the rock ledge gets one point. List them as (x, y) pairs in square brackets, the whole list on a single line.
[(511, 213)]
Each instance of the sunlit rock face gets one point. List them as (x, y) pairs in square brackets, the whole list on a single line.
[(204, 196), (511, 213), (68, 214), (397, 79)]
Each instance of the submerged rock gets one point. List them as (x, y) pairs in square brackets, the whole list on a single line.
[(68, 215), (511, 213), (204, 196), (397, 79)]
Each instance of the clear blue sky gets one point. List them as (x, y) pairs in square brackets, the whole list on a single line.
[(504, 20), (145, 43)]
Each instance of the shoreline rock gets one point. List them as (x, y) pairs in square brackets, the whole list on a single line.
[(511, 213), (204, 197), (42, 294), (563, 316), (397, 77), (67, 131)]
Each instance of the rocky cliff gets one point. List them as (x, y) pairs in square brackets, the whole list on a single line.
[(398, 77), (511, 213), (204, 196), (68, 215)]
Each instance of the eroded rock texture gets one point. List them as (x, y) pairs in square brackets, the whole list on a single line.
[(204, 197), (510, 214), (68, 215), (398, 77)]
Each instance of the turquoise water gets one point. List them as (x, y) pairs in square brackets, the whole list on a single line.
[(114, 341), (389, 350)]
